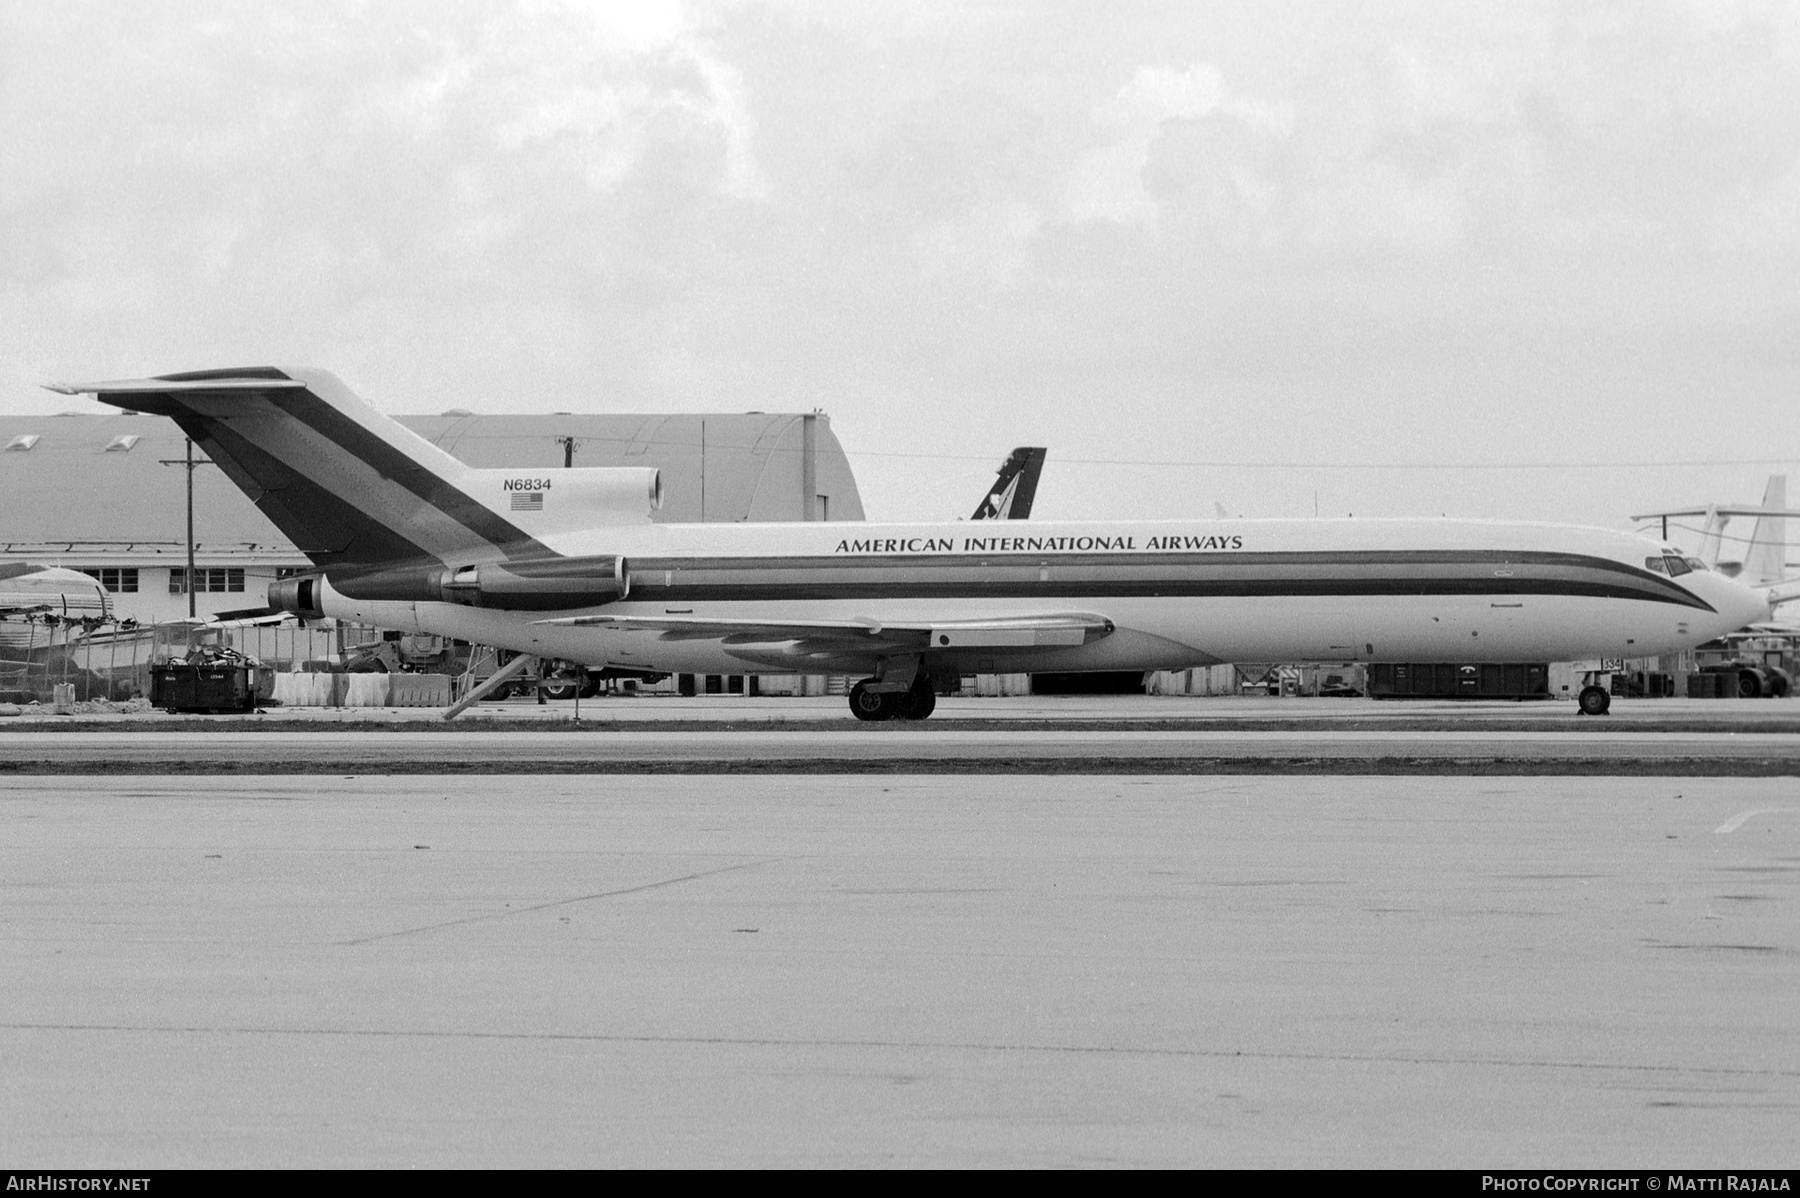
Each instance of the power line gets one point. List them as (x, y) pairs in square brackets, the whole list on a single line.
[(1409, 465), (1723, 536)]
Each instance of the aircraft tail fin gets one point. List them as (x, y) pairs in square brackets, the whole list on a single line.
[(1712, 535), (1015, 486), (350, 486), (1765, 557)]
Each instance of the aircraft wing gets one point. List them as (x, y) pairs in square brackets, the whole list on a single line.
[(253, 617), (1016, 632)]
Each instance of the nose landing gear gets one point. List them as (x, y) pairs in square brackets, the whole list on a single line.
[(1593, 700)]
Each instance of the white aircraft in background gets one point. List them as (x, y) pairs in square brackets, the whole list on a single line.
[(1765, 553), (30, 592), (565, 563), (29, 589)]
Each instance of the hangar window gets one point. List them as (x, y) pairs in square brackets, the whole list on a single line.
[(123, 443), (22, 443), (117, 579), (214, 579)]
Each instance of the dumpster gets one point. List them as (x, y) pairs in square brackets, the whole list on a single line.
[(1445, 680), (212, 687)]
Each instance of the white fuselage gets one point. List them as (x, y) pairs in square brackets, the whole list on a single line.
[(1180, 593)]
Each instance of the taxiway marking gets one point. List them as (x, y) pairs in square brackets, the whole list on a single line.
[(1738, 821)]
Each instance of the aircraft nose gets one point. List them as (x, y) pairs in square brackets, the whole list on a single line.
[(1735, 603), (1744, 604)]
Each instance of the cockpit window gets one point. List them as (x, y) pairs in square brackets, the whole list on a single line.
[(1695, 563), (1656, 564), (1677, 566)]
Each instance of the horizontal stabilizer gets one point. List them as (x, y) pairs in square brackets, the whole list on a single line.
[(1720, 511), (170, 386)]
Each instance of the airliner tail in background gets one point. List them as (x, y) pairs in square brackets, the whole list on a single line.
[(1015, 486)]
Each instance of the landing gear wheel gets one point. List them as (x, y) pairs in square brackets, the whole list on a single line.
[(865, 704), (1594, 700), (918, 702)]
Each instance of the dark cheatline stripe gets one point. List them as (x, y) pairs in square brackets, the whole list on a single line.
[(324, 525), (1174, 575), (374, 540), (388, 461)]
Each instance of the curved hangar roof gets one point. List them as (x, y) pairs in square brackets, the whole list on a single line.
[(102, 478)]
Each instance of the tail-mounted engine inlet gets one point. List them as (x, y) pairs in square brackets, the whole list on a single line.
[(298, 595)]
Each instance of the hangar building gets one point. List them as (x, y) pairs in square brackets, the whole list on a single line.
[(106, 494)]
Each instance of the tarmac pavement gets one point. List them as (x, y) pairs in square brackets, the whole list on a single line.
[(498, 970)]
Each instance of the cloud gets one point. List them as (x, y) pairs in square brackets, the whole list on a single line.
[(582, 90), (1117, 180), (263, 180), (1200, 222)]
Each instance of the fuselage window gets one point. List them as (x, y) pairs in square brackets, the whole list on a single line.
[(1677, 567), (1656, 564)]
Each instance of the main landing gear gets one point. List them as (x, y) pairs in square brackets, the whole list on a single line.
[(1593, 700), (913, 704)]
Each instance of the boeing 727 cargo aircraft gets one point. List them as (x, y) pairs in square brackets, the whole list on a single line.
[(566, 564)]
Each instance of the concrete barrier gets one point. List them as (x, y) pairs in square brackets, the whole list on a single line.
[(366, 690), (998, 685), (419, 690), (302, 689)]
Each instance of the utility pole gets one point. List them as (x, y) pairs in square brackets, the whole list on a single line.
[(189, 463), (809, 466), (190, 524)]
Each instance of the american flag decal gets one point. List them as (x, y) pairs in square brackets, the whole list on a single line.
[(528, 501)]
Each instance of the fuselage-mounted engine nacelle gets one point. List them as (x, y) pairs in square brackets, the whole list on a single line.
[(554, 584), (545, 584), (299, 596)]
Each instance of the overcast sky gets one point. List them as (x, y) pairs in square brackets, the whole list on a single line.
[(1241, 254)]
